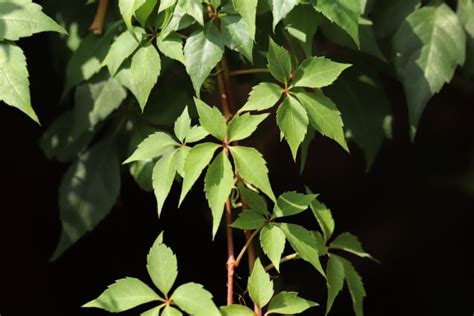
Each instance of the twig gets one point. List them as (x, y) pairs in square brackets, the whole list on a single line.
[(97, 26)]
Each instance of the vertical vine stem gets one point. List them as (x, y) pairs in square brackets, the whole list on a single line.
[(97, 26)]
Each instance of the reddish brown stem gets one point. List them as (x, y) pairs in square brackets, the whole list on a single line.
[(97, 26), (230, 253)]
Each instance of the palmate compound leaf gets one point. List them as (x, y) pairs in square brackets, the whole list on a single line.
[(280, 9), (318, 72), (141, 74), (427, 46), (323, 116), (237, 35), (14, 84), (202, 51), (304, 243), (211, 119), (263, 96), (272, 240), (344, 13), (242, 126), (153, 146), (279, 62), (236, 310), (350, 243), (123, 295), (162, 266), (288, 303), (248, 10), (259, 285), (292, 203), (122, 48), (251, 166), (162, 178), (87, 192), (197, 159), (292, 119), (195, 300), (355, 286), (334, 280), (218, 184), (24, 18)]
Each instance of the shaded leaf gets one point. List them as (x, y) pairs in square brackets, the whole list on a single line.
[(249, 219), (254, 200), (334, 280), (163, 176), (279, 62), (287, 303), (280, 9), (292, 203), (355, 285), (248, 10), (349, 243), (237, 35), (127, 10), (123, 46), (193, 8)]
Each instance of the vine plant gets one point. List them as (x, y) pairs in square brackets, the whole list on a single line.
[(314, 63)]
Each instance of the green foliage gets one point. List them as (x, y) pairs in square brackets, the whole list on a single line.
[(316, 66)]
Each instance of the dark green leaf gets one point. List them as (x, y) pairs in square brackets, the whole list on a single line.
[(263, 96), (292, 203), (254, 200), (388, 15), (237, 35), (249, 219), (279, 62), (334, 281), (302, 24), (248, 10), (280, 8), (193, 8), (428, 46), (287, 303), (349, 243), (355, 285), (163, 176)]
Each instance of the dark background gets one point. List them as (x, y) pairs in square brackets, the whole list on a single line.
[(413, 210)]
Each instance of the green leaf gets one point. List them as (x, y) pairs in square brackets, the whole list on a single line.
[(318, 72), (355, 285), (280, 8), (218, 184), (349, 243), (123, 295), (279, 62), (287, 303), (166, 4), (202, 51), (251, 166), (211, 119), (87, 59), (249, 219), (292, 203), (304, 243), (155, 311), (94, 102), (193, 8), (123, 46), (182, 125), (248, 10), (144, 11), (253, 200), (320, 242), (163, 176), (465, 12), (171, 311), (179, 20), (236, 310), (14, 85), (24, 18), (292, 120), (365, 120), (388, 15), (171, 46), (153, 146), (324, 116), (195, 300), (196, 133), (87, 192), (335, 280), (181, 155), (344, 13), (142, 172), (263, 96), (237, 35), (142, 74), (324, 217), (260, 286), (428, 46), (242, 126), (127, 9), (272, 240), (302, 24), (197, 159), (162, 266)]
